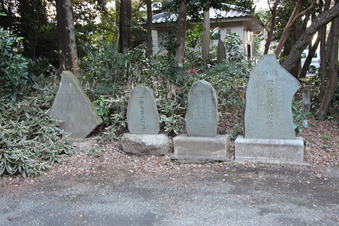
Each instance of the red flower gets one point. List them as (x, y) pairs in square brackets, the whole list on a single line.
[(192, 70)]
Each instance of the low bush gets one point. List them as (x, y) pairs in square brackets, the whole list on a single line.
[(14, 67), (109, 76), (30, 142)]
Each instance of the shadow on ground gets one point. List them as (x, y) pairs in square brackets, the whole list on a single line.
[(228, 195)]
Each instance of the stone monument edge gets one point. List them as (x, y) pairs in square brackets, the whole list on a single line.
[(90, 104)]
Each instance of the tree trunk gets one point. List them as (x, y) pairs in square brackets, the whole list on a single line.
[(333, 71), (288, 46), (179, 54), (288, 27), (310, 55), (301, 44), (206, 36), (149, 49), (125, 24), (322, 71), (270, 31), (68, 58)]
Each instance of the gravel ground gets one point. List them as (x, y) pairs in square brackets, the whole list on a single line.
[(209, 194), (108, 187)]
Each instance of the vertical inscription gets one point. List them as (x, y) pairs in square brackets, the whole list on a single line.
[(280, 105), (279, 98), (261, 97), (142, 112), (270, 98), (202, 117), (202, 112), (199, 111), (269, 103)]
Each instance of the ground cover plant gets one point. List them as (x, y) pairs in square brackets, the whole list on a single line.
[(30, 142)]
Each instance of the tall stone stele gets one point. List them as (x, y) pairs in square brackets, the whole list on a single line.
[(72, 108), (142, 112), (202, 115), (269, 95), (201, 144), (269, 130), (143, 125)]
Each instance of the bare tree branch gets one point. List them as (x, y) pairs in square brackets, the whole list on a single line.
[(301, 44), (287, 29)]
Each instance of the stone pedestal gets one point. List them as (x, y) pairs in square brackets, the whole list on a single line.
[(283, 151), (200, 149), (145, 144)]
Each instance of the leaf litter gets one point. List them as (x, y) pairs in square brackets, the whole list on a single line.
[(321, 152)]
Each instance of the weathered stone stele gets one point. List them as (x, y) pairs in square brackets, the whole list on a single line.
[(306, 98), (221, 52), (202, 114), (269, 131), (142, 113), (73, 109), (201, 144), (269, 97)]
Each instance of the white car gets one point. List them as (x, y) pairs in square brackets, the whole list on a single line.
[(315, 63)]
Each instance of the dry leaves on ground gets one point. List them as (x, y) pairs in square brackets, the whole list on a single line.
[(322, 149)]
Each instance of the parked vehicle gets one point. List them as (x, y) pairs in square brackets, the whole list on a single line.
[(315, 63)]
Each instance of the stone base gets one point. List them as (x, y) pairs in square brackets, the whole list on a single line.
[(145, 144), (200, 149), (86, 145), (280, 151)]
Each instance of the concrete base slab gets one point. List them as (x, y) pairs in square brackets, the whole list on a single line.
[(200, 149), (145, 144), (280, 151)]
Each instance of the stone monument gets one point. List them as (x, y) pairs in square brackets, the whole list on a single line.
[(269, 131), (306, 98), (201, 144), (72, 108), (143, 125)]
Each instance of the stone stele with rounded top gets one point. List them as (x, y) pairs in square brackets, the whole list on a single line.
[(142, 112), (202, 115)]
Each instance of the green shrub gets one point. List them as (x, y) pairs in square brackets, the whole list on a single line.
[(232, 45), (14, 67), (112, 111), (299, 117), (109, 76), (30, 142), (229, 80), (106, 71)]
